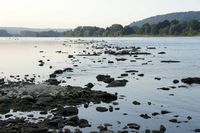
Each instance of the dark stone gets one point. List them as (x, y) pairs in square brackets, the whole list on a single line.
[(27, 98), (2, 82), (145, 116), (176, 81), (70, 56), (43, 112), (170, 61), (58, 72), (83, 123), (197, 130), (151, 47), (53, 81), (162, 53), (69, 69), (69, 111), (156, 78), (52, 75), (121, 59), (155, 131), (89, 85), (140, 75), (189, 117), (117, 83), (67, 131), (8, 115), (164, 88), (54, 123), (101, 109), (174, 121), (34, 130), (102, 77), (190, 80), (111, 108), (136, 103), (147, 131), (44, 101), (165, 112), (133, 126), (162, 128), (110, 62), (73, 121), (155, 114), (132, 71), (124, 74), (4, 99)]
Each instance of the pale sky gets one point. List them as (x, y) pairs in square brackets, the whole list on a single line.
[(72, 13)]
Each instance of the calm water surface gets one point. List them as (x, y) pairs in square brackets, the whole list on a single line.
[(20, 56)]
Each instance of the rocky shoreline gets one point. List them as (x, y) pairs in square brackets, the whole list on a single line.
[(58, 104)]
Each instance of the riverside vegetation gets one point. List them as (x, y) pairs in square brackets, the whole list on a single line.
[(165, 28)]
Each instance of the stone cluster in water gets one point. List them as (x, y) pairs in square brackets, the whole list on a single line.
[(62, 101)]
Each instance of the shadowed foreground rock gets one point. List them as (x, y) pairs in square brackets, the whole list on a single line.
[(45, 97)]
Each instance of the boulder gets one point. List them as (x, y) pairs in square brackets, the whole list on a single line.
[(27, 98), (191, 80), (34, 130), (117, 83), (101, 109), (133, 126), (69, 111), (53, 81)]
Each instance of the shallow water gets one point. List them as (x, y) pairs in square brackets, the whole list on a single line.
[(20, 56)]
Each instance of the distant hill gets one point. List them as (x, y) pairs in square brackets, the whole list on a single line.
[(180, 16), (18, 30), (4, 33)]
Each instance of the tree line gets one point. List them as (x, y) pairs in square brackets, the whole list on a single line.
[(174, 27)]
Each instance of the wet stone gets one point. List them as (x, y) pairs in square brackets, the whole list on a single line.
[(165, 112), (136, 103), (101, 109), (145, 116), (133, 126)]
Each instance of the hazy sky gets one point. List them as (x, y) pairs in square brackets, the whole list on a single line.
[(71, 13)]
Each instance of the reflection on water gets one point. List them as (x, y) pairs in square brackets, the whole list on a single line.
[(20, 56)]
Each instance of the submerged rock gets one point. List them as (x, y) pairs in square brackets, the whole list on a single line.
[(170, 61), (191, 80)]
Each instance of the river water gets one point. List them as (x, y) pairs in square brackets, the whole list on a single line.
[(20, 56)]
